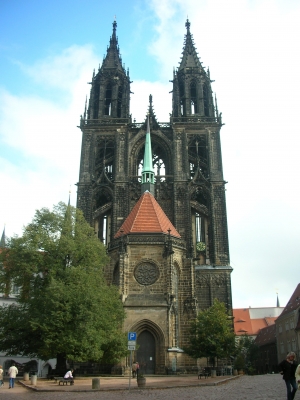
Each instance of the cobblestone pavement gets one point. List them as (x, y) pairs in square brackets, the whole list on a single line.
[(262, 387)]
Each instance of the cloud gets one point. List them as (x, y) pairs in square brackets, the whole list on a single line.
[(43, 132), (41, 135), (161, 98), (250, 49), (62, 70)]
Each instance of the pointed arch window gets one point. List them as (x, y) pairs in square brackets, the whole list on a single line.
[(182, 98), (93, 113), (181, 108), (158, 162), (193, 96), (200, 237), (205, 100), (105, 157), (104, 228), (116, 275), (108, 99), (119, 106)]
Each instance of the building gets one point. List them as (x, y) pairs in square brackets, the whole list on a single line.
[(155, 194), (288, 327), (249, 321), (267, 344)]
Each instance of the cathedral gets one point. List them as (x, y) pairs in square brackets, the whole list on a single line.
[(155, 194)]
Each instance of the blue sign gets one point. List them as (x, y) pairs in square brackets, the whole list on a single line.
[(131, 335)]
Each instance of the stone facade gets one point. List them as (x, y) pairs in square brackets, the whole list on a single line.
[(163, 280), (288, 327)]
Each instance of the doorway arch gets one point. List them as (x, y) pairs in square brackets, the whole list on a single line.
[(151, 352), (146, 352)]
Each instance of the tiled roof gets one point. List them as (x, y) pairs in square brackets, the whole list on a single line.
[(293, 303), (147, 217), (266, 336), (244, 324)]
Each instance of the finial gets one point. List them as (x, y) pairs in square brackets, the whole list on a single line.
[(150, 100), (216, 103), (85, 107), (187, 25)]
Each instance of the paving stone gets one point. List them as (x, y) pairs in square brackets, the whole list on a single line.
[(261, 387)]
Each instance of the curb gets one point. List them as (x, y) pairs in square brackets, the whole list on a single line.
[(35, 389)]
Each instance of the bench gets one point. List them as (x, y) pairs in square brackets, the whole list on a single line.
[(66, 381), (204, 373)]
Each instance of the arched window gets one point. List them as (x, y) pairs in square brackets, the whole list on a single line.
[(119, 106), (105, 156), (193, 94), (198, 156), (116, 275), (95, 107), (103, 226), (158, 162), (182, 98), (205, 100), (200, 236), (108, 99)]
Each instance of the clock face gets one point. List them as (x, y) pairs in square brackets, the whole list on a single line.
[(146, 274)]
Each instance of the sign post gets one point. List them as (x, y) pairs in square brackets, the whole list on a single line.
[(131, 347)]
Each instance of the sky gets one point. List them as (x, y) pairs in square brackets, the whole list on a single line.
[(48, 51)]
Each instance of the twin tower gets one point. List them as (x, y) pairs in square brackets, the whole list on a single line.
[(155, 194)]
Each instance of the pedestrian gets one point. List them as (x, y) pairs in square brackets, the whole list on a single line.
[(12, 373), (287, 368), (137, 369), (69, 376), (133, 368), (297, 376), (1, 377)]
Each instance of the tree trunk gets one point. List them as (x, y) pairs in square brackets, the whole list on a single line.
[(61, 364)]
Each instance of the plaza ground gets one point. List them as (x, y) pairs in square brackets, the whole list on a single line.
[(183, 387)]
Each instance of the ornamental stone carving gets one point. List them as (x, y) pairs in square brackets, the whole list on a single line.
[(146, 273)]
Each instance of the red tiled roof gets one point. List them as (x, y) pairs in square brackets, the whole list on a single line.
[(147, 217), (244, 324)]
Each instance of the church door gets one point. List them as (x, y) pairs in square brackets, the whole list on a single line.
[(146, 352)]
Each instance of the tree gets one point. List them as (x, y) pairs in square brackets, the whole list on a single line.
[(211, 334), (64, 309), (246, 353)]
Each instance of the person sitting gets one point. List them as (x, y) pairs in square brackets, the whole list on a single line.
[(134, 367), (68, 376)]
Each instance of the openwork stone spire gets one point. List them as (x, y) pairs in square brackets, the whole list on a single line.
[(148, 171)]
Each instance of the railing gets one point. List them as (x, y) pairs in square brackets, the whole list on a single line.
[(160, 124), (105, 121), (196, 119), (139, 125)]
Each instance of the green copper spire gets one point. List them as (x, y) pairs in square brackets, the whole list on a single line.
[(148, 171)]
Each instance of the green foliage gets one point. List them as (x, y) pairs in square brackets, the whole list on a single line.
[(65, 306), (246, 353), (211, 333), (239, 362)]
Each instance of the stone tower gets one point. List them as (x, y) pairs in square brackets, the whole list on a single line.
[(155, 194)]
